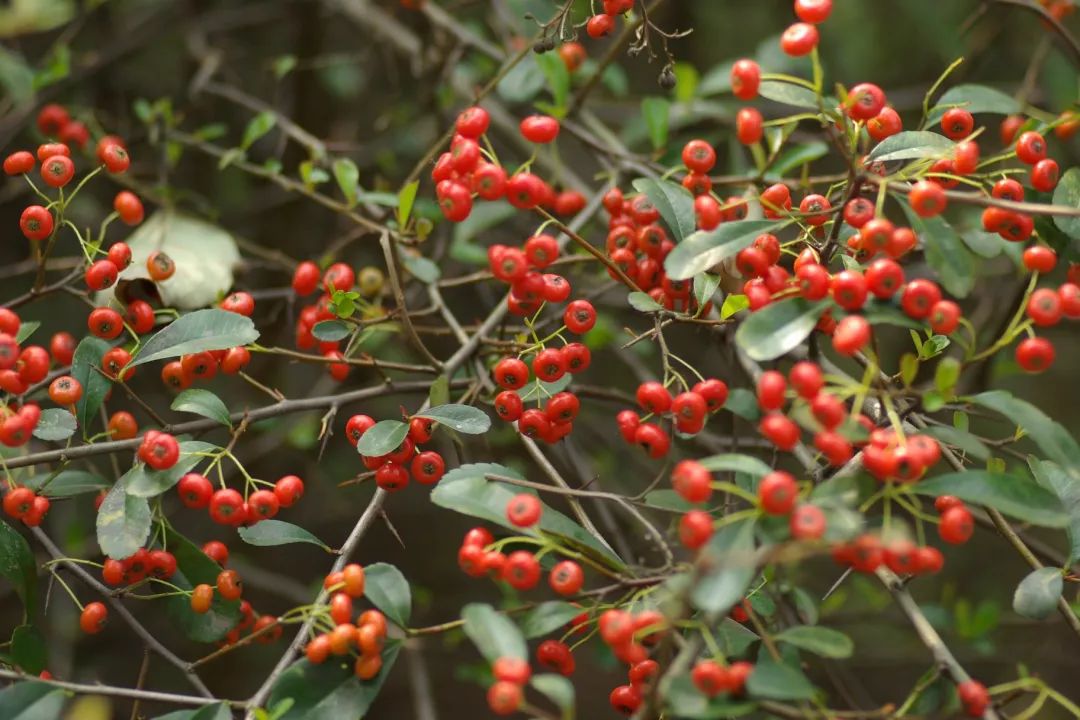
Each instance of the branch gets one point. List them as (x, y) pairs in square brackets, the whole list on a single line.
[(284, 407), (399, 297), (111, 691), (147, 637)]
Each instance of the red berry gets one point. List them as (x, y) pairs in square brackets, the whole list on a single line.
[(566, 578), (927, 198), (748, 125), (695, 529), (524, 510), (778, 493), (1035, 354), (19, 163), (745, 80), (956, 525), (1030, 148), (128, 207), (653, 397), (1044, 175), (799, 39), (865, 101), (93, 618), (807, 522), (851, 334), (957, 123), (541, 129), (974, 697), (36, 222)]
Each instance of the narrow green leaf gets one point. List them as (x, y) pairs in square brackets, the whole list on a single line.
[(55, 424), (123, 523), (778, 328), (330, 690), (729, 555), (819, 640), (439, 393), (1067, 194), (910, 145), (424, 270), (702, 250), (675, 203), (733, 462), (31, 700), (17, 564), (348, 179), (257, 127), (332, 330), (210, 329), (1012, 495), (976, 99), (382, 438), (202, 402), (463, 418), (1050, 476), (778, 681), (788, 94), (548, 617), (945, 251), (558, 80), (961, 439), (1037, 594), (66, 483), (656, 112), (28, 649), (733, 304), (95, 385), (388, 590), (557, 688), (406, 199), (643, 303), (26, 329), (494, 634), (1051, 437), (267, 533)]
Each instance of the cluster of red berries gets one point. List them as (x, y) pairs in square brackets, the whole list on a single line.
[(465, 171), (521, 268), (597, 26), (366, 637), (24, 504), (519, 569), (339, 277), (867, 553), (229, 587), (712, 678), (228, 507), (143, 563), (392, 470), (688, 411), (180, 374), (637, 244)]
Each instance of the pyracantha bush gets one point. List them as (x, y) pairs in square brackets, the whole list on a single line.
[(807, 352)]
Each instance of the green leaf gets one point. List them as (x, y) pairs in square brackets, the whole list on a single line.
[(194, 567), (463, 418), (975, 99), (210, 329), (123, 523), (729, 557), (332, 330), (675, 203), (424, 270), (406, 199), (1015, 496), (330, 690), (945, 251), (348, 179), (283, 65), (910, 145), (778, 328), (523, 82), (258, 126), (558, 79), (961, 439), (26, 329), (705, 286), (778, 681), (685, 702), (1036, 596), (733, 304), (733, 462), (946, 375), (642, 302), (557, 688), (548, 617), (1067, 194), (788, 94), (17, 564), (388, 590), (538, 389), (1051, 437), (703, 249), (439, 393), (743, 403), (1050, 476), (95, 385), (66, 483), (266, 533), (16, 77), (797, 156), (819, 640), (202, 402), (28, 649), (467, 490), (656, 112), (668, 500), (55, 424), (143, 481), (31, 700), (217, 711), (382, 437), (494, 634)]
